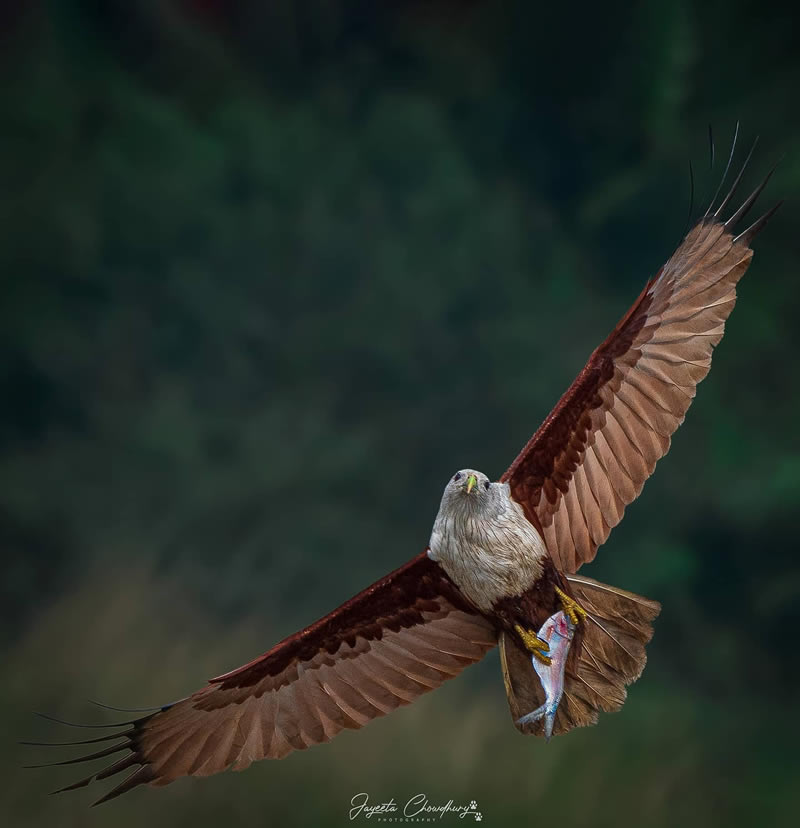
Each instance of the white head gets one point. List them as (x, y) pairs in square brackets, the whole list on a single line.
[(469, 491), (483, 540)]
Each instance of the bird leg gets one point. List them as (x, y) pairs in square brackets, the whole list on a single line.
[(571, 607), (538, 647)]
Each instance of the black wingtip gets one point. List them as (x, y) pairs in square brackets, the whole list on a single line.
[(725, 201), (691, 199), (88, 758), (711, 147), (74, 742), (744, 209), (141, 776), (757, 226), (50, 718), (727, 166), (125, 709), (81, 783), (132, 757), (750, 200)]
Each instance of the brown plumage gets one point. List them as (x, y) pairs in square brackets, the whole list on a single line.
[(497, 554), (399, 638), (593, 453)]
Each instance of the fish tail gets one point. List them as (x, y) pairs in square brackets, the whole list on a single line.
[(549, 724)]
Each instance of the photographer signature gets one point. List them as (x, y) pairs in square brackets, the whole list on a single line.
[(416, 809)]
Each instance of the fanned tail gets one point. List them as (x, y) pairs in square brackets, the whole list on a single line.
[(607, 655)]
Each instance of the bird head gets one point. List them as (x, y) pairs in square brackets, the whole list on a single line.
[(469, 483), (470, 492)]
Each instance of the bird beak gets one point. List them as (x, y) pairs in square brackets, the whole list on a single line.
[(471, 481)]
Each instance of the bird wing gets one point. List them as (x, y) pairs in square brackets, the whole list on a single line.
[(399, 638), (591, 456)]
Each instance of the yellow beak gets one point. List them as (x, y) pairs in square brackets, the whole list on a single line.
[(471, 481)]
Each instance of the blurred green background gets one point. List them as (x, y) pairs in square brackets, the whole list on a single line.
[(272, 271)]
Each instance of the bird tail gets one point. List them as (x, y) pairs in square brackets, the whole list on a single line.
[(607, 654)]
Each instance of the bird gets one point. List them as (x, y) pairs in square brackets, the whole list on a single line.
[(503, 557)]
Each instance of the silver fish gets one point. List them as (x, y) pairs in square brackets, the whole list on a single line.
[(558, 632)]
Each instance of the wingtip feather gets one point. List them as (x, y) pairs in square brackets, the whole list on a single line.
[(757, 226), (141, 776), (50, 718)]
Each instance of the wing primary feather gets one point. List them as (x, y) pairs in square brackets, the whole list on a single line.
[(81, 783), (128, 709), (98, 755), (727, 166), (737, 181), (75, 724), (750, 200), (118, 766), (138, 777), (80, 741), (711, 148), (712, 152), (691, 199), (757, 226)]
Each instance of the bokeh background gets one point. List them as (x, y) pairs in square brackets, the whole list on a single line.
[(272, 271)]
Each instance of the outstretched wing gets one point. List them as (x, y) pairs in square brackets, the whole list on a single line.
[(399, 638), (591, 456)]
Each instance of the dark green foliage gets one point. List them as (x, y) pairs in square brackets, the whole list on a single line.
[(270, 274)]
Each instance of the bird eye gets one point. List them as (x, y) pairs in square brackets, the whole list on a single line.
[(486, 485), (457, 476)]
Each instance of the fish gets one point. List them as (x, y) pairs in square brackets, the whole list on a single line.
[(558, 632)]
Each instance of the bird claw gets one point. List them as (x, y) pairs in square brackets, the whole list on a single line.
[(574, 611), (538, 647)]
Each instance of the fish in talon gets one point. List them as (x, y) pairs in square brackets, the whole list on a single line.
[(558, 632)]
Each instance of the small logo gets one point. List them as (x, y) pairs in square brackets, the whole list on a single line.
[(418, 808)]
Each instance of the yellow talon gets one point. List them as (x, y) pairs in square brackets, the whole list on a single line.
[(534, 644), (571, 607)]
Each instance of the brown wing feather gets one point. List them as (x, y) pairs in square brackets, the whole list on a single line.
[(591, 456), (399, 638)]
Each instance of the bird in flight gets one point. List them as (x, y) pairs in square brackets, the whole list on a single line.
[(501, 563)]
